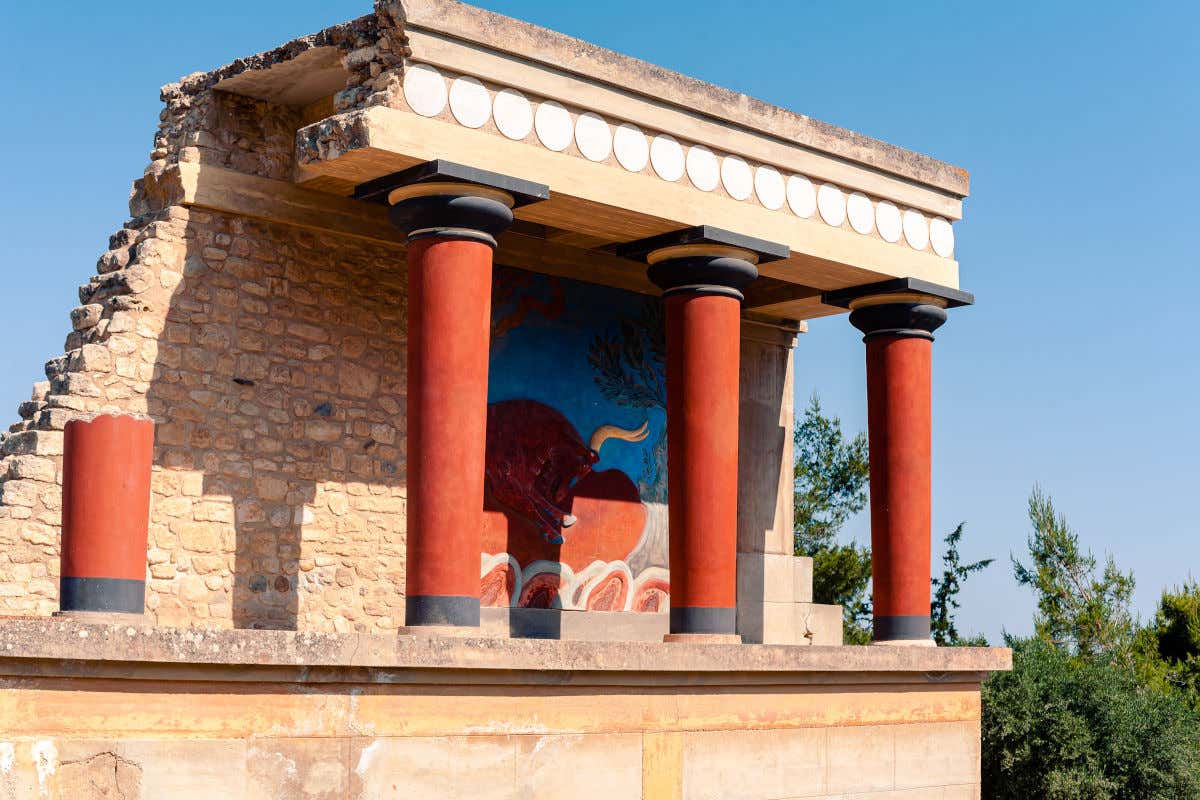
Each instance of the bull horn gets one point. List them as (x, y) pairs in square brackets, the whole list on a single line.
[(606, 432)]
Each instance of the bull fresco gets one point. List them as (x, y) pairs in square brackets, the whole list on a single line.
[(575, 508)]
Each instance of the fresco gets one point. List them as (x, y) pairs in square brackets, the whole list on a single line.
[(576, 484)]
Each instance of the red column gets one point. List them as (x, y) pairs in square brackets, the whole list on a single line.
[(703, 344), (899, 340), (702, 272), (899, 421), (449, 319), (106, 514), (451, 219)]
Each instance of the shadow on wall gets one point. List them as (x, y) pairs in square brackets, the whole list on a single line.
[(279, 393)]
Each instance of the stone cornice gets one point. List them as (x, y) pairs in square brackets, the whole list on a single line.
[(69, 648)]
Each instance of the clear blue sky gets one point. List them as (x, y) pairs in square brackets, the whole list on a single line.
[(1079, 122)]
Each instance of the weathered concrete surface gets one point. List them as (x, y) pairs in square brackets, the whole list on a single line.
[(92, 711), (73, 648), (560, 51)]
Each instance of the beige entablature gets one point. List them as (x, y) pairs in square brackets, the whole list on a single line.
[(629, 150)]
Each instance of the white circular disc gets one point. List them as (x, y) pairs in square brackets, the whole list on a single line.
[(801, 196), (860, 213), (887, 220), (702, 168), (593, 136), (630, 147), (553, 125), (666, 156), (941, 236), (736, 177), (768, 185), (832, 204), (916, 229), (513, 113), (425, 90), (469, 102)]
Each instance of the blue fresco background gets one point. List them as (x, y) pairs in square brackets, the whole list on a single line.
[(546, 359)]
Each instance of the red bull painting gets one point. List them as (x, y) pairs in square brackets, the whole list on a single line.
[(575, 507)]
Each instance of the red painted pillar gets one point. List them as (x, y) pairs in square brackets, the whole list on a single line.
[(106, 514), (703, 344), (899, 340), (702, 272), (449, 319), (451, 215)]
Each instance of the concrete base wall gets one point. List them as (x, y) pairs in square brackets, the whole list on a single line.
[(153, 713)]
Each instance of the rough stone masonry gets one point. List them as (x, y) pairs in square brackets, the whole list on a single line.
[(273, 369)]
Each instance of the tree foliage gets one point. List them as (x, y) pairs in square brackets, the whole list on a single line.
[(945, 593), (1067, 727), (1094, 709), (1167, 651), (830, 487), (1078, 609)]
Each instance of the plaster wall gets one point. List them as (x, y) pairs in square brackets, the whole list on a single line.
[(119, 711)]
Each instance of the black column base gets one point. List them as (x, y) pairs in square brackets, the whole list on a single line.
[(901, 628), (703, 620), (441, 610), (110, 595)]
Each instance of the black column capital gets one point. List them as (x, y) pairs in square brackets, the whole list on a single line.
[(703, 260), (904, 307), (909, 320), (444, 199)]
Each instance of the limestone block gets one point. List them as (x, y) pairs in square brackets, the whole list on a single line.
[(802, 578), (436, 768), (765, 577), (748, 765), (583, 767), (298, 769), (86, 316), (818, 624), (19, 493), (861, 759), (90, 358), (186, 769), (937, 754), (34, 468), (36, 443)]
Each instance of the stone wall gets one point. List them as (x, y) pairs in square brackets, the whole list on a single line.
[(272, 360), (97, 711)]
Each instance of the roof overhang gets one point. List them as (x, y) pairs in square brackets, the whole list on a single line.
[(599, 201)]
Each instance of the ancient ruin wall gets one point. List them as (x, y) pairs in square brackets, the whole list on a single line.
[(271, 359)]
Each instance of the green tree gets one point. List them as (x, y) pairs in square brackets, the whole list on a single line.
[(1078, 609), (831, 475), (945, 593), (1167, 651), (1067, 727)]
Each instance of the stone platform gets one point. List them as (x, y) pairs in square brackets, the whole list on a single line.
[(143, 712)]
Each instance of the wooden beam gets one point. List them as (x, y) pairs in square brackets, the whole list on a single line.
[(233, 192)]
